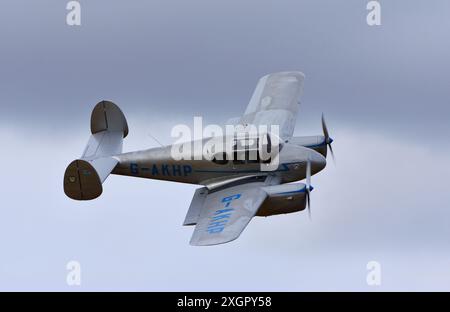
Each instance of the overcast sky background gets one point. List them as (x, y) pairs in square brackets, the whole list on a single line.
[(385, 92)]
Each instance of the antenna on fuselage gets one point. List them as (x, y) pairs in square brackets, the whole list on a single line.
[(155, 139)]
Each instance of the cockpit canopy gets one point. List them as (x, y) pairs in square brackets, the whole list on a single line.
[(247, 150)]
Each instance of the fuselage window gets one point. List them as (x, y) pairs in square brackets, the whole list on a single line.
[(237, 161)]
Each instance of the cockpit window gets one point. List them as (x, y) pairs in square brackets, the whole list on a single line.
[(247, 151), (220, 159)]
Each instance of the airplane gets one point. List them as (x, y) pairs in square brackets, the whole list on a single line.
[(234, 189)]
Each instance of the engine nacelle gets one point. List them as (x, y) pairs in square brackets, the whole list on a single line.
[(316, 142), (284, 198)]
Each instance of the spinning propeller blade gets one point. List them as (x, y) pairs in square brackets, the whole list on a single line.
[(308, 187), (328, 139)]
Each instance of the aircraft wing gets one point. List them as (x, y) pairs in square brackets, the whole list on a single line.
[(225, 213), (275, 102)]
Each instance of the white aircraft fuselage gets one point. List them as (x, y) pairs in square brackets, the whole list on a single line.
[(158, 163)]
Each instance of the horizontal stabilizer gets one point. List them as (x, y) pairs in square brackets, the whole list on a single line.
[(84, 177), (82, 181)]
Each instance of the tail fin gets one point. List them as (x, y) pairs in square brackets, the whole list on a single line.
[(84, 177)]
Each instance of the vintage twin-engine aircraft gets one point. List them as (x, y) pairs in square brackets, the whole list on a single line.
[(234, 190)]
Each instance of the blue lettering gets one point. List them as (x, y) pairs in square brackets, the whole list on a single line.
[(134, 169), (187, 169), (218, 212), (155, 170), (176, 170), (215, 230), (165, 170), (230, 198), (217, 224), (220, 217), (225, 216)]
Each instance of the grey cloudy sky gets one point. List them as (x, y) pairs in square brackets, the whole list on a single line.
[(384, 90)]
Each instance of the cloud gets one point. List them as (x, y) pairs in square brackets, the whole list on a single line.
[(385, 200), (205, 58)]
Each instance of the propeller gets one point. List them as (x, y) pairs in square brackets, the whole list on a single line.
[(328, 139), (308, 187)]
